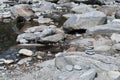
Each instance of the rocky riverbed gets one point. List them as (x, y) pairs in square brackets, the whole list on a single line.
[(60, 40)]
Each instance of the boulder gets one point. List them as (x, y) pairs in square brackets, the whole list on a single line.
[(22, 10), (84, 21)]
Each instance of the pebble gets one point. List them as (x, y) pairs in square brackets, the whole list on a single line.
[(8, 61), (26, 52), (77, 67), (69, 67), (39, 57)]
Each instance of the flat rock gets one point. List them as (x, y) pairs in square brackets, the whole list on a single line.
[(25, 52), (53, 38), (84, 21), (80, 58)]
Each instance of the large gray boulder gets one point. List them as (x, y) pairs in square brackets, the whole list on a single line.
[(84, 21)]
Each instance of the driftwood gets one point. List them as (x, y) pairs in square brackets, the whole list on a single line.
[(19, 45)]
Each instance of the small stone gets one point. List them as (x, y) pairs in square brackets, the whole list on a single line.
[(39, 57), (8, 61), (69, 67), (26, 52), (77, 67)]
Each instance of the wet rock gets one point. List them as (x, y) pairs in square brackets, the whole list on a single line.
[(22, 10), (115, 37), (84, 21), (25, 52), (82, 9), (69, 67)]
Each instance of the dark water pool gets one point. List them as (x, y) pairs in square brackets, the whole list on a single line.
[(7, 36)]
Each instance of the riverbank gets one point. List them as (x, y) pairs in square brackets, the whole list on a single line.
[(61, 40)]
